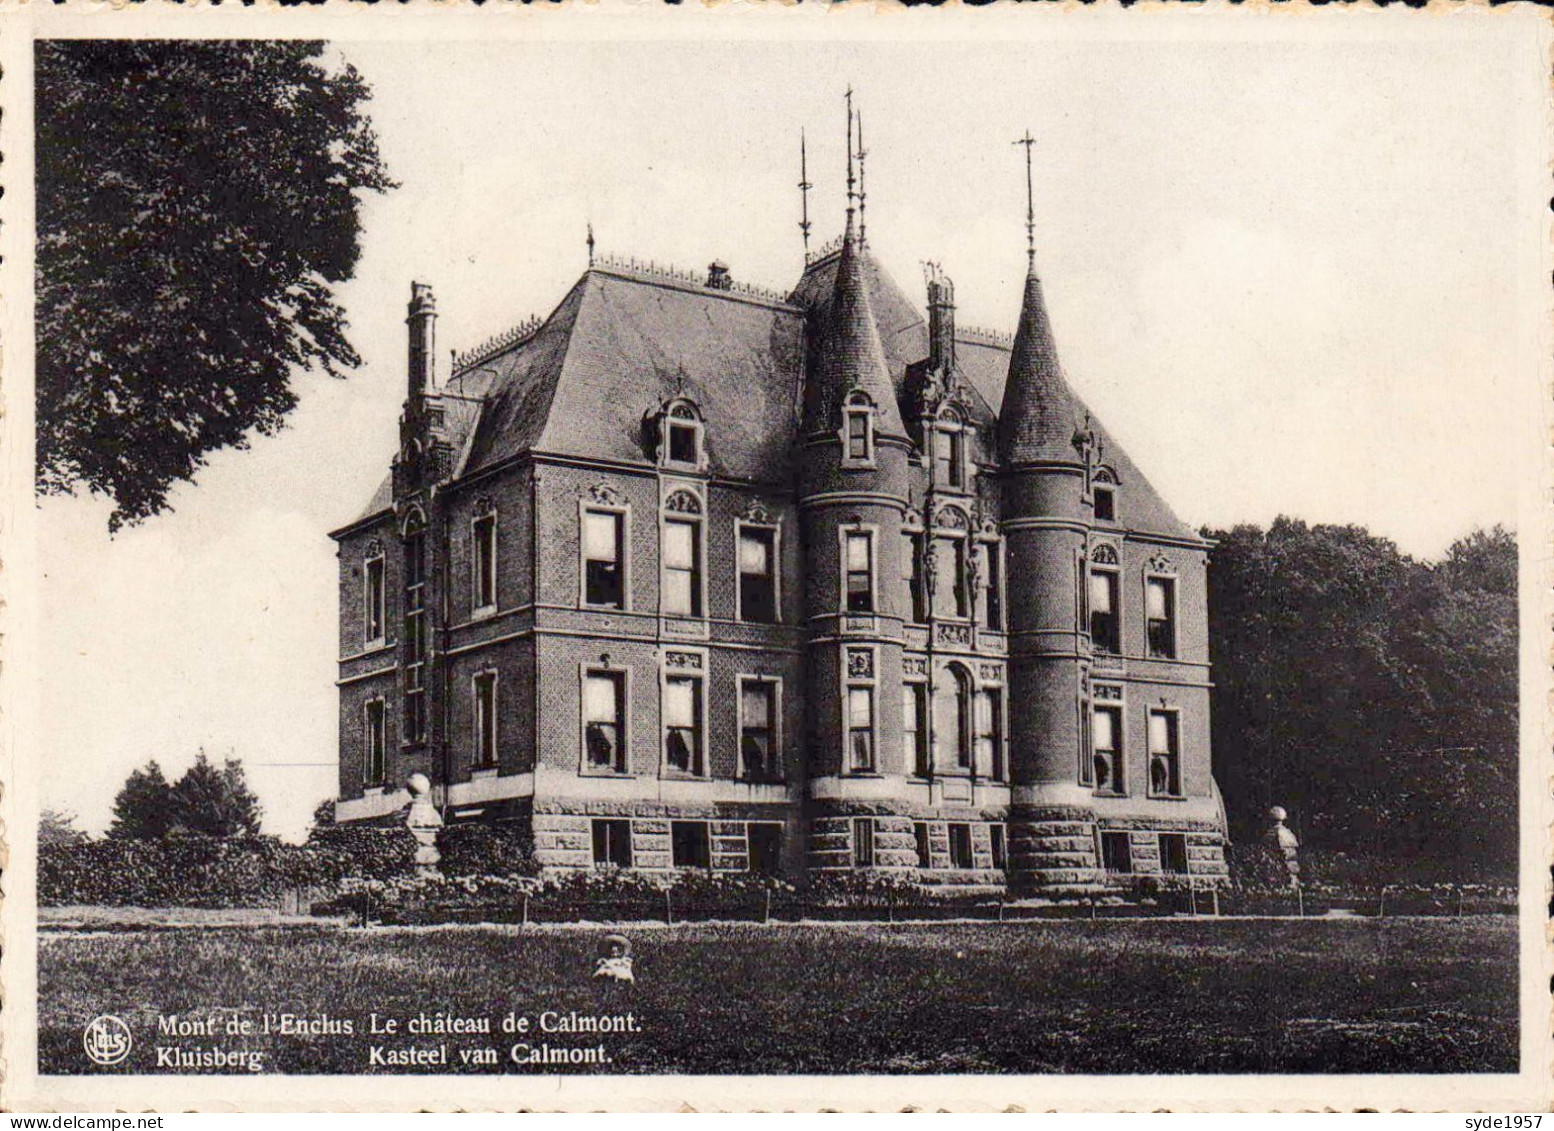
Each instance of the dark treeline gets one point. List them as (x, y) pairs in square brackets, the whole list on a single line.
[(1372, 695)]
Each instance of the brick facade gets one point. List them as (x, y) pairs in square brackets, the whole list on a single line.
[(977, 590)]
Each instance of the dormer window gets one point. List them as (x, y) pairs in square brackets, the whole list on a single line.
[(858, 431), (680, 436), (1105, 492)]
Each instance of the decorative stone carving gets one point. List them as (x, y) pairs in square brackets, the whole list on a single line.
[(485, 505), (1104, 554), (756, 512), (375, 548), (1108, 691), (1105, 475), (1159, 563), (604, 493), (860, 663), (683, 502), (683, 660), (955, 634), (682, 411), (914, 665), (990, 671), (951, 517)]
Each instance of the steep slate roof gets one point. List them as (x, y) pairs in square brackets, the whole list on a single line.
[(620, 346), (847, 355), (622, 342), (1036, 421)]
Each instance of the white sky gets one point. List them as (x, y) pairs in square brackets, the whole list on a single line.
[(1291, 278)]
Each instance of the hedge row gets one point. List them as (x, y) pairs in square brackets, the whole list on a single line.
[(223, 872)]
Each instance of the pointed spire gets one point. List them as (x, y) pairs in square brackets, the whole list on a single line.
[(1036, 420), (804, 187), (590, 243), (848, 353), (863, 193)]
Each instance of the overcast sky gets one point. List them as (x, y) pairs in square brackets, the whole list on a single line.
[(1291, 278)]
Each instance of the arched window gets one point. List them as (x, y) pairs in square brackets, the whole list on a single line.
[(681, 436), (1104, 488), (858, 431)]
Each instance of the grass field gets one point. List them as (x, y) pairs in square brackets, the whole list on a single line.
[(1152, 996)]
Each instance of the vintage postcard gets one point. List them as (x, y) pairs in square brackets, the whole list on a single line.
[(769, 557)]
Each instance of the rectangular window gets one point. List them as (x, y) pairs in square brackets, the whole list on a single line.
[(912, 575), (604, 710), (765, 839), (682, 443), (992, 581), (612, 843), (863, 842), (860, 572), (376, 600), (1160, 616), (603, 557), (691, 844), (415, 638), (682, 724), (1116, 853), (484, 537), (1165, 762), (1105, 505), (949, 467), (1000, 847), (860, 729), (682, 568), (924, 847), (914, 728), (375, 740), (990, 732), (485, 719), (757, 730), (858, 435), (1105, 631), (757, 575), (1106, 749), (960, 846), (1173, 853)]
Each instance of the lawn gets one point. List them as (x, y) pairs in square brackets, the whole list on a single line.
[(1151, 996)]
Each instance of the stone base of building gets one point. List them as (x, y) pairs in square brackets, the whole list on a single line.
[(1064, 850)]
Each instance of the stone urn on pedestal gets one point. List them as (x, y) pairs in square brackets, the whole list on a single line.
[(423, 821), (1285, 842)]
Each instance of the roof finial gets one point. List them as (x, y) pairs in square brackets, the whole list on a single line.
[(863, 196), (851, 194), (1030, 202), (804, 187), (590, 243)]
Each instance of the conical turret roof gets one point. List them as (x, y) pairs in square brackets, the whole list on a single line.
[(1037, 420), (846, 350)]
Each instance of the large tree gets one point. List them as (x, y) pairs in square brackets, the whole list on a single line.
[(1372, 695), (143, 808), (214, 802), (197, 203)]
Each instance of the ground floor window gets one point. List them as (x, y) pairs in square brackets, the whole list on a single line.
[(1000, 847), (863, 842), (1173, 853), (960, 846), (692, 844), (612, 843), (1116, 853), (376, 741), (765, 847), (920, 834)]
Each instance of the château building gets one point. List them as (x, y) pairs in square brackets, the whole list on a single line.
[(693, 574)]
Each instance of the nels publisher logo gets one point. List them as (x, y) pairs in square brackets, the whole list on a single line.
[(107, 1039)]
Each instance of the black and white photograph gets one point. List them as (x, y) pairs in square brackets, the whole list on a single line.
[(967, 558)]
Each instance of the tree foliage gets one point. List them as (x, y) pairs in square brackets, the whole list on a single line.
[(197, 204), (1372, 695), (57, 829), (207, 800)]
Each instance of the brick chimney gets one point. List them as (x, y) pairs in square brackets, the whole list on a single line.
[(941, 321), (422, 321)]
